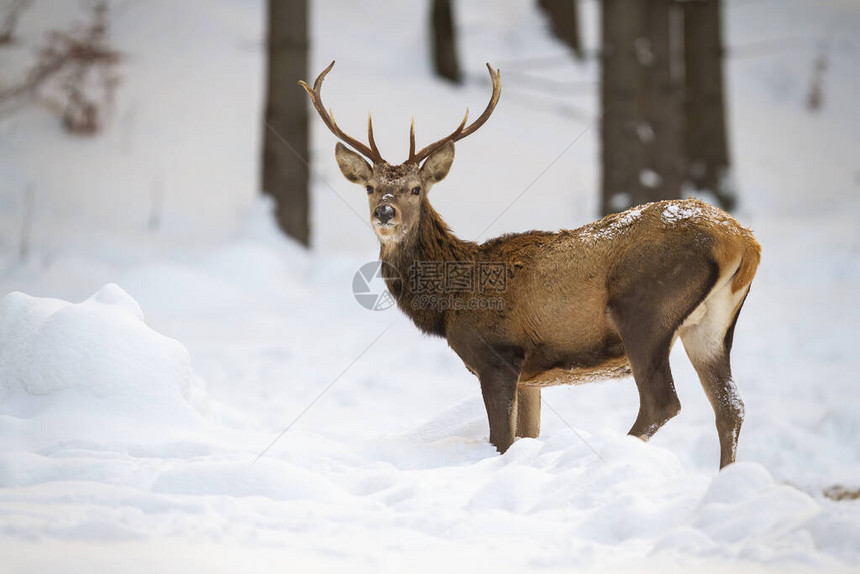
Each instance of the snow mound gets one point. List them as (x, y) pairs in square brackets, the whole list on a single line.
[(269, 478), (99, 348), (745, 510)]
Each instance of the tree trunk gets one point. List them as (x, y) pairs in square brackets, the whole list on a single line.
[(564, 18), (706, 137), (444, 41), (663, 132), (642, 126), (285, 144), (624, 30)]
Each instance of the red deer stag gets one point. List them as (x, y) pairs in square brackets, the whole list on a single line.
[(605, 300)]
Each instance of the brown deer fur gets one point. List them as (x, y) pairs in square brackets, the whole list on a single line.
[(605, 300)]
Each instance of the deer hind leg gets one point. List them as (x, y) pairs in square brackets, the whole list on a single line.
[(647, 311), (528, 411), (708, 343), (658, 401), (647, 344)]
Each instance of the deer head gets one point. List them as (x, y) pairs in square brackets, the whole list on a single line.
[(395, 192)]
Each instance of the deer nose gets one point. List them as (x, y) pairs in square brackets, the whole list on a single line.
[(384, 213)]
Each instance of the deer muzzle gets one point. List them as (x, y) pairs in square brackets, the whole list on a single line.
[(384, 213)]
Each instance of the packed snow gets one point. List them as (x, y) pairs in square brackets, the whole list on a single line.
[(205, 396), (674, 212), (609, 229)]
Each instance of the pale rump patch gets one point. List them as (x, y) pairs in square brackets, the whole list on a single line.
[(704, 331)]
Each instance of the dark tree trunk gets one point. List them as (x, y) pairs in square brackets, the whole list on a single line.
[(663, 132), (624, 26), (642, 128), (444, 41), (285, 143), (564, 18), (706, 134)]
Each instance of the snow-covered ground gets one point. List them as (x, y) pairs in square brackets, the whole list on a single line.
[(143, 371)]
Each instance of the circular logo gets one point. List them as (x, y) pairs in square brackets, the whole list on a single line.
[(369, 288)]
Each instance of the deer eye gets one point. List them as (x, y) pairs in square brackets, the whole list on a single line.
[(416, 190), (369, 189)]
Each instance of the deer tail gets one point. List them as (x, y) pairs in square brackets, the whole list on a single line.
[(751, 255)]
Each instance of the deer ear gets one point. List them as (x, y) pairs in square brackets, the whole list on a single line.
[(438, 164), (352, 166)]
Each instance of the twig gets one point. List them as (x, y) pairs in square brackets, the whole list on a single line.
[(12, 13)]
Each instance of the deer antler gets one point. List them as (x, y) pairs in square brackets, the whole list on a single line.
[(461, 131), (372, 152)]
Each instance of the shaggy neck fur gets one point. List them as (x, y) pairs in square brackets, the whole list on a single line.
[(432, 241)]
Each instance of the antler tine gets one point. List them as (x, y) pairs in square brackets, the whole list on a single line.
[(327, 117), (461, 131), (370, 139), (412, 139)]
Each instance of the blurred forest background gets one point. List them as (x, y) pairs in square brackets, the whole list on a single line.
[(646, 80), (662, 111)]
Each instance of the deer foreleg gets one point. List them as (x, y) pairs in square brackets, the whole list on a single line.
[(499, 388)]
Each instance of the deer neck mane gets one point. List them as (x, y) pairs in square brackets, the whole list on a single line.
[(432, 242)]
